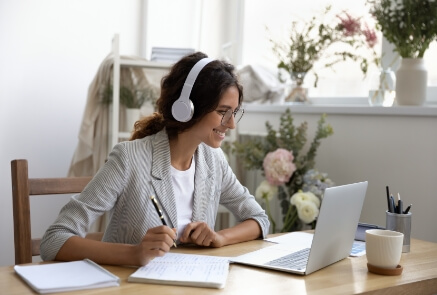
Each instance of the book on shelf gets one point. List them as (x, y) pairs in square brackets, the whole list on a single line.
[(184, 270), (169, 54), (66, 276)]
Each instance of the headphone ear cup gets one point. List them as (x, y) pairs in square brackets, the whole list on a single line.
[(182, 111), (183, 108)]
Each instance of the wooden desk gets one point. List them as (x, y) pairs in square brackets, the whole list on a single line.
[(349, 276)]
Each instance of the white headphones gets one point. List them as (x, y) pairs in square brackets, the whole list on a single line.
[(183, 108)]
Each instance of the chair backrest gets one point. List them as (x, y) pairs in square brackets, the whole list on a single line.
[(22, 188)]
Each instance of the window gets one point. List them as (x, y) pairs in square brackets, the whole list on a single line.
[(276, 16), (241, 30)]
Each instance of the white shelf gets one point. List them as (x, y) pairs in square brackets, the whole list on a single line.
[(114, 134), (144, 64), (419, 111)]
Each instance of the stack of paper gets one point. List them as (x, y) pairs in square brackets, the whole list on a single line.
[(66, 276), (185, 270)]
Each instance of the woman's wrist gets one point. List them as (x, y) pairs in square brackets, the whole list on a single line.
[(246, 231)]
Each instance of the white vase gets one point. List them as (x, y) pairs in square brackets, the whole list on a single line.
[(411, 82), (132, 115), (147, 109)]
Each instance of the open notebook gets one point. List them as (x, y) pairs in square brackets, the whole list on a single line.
[(184, 270), (332, 241)]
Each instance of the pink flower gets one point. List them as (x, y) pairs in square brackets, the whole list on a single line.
[(278, 166), (370, 35), (349, 25)]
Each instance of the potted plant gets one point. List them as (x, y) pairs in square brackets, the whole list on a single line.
[(132, 99), (410, 25)]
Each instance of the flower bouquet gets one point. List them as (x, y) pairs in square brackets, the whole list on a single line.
[(409, 25), (289, 170)]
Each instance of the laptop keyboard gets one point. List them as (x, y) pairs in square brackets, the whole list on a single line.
[(297, 260)]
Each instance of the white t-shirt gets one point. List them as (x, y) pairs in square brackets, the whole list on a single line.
[(183, 187)]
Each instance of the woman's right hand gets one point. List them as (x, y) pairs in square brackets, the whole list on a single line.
[(156, 242)]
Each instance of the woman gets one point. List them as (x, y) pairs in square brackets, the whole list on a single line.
[(179, 162)]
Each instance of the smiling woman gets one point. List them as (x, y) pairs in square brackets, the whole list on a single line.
[(174, 155)]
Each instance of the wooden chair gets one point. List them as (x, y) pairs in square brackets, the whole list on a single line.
[(22, 188)]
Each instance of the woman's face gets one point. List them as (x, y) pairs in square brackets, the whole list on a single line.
[(210, 130)]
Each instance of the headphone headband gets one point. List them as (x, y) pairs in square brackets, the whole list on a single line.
[(183, 108)]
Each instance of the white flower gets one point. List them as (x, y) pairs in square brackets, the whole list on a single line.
[(266, 191), (307, 211), (298, 198)]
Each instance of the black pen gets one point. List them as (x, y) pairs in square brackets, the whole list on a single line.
[(400, 209), (408, 209), (388, 197), (155, 203)]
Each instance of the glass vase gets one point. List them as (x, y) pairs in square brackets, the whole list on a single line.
[(298, 93), (382, 89)]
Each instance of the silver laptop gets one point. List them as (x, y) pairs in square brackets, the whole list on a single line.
[(332, 240)]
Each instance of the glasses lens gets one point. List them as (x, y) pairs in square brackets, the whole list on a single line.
[(238, 115), (227, 116)]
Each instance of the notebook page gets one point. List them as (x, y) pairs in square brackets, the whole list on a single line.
[(184, 269)]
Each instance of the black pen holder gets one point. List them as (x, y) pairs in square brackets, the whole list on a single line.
[(400, 223)]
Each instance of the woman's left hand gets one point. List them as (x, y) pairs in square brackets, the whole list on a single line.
[(200, 233)]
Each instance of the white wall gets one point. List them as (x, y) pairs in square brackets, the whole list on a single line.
[(49, 53)]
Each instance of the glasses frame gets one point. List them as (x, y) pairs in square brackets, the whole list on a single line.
[(229, 111)]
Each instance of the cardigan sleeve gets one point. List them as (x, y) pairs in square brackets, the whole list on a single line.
[(237, 198), (98, 197)]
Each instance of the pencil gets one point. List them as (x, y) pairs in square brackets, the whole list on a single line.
[(155, 204)]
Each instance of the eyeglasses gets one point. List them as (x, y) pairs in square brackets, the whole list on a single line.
[(238, 114)]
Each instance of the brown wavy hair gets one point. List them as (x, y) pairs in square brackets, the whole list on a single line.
[(214, 79)]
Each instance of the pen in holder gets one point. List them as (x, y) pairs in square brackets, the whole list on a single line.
[(400, 223)]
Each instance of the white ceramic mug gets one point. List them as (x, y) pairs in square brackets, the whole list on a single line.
[(384, 247)]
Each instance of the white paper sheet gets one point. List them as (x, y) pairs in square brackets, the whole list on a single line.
[(298, 239)]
